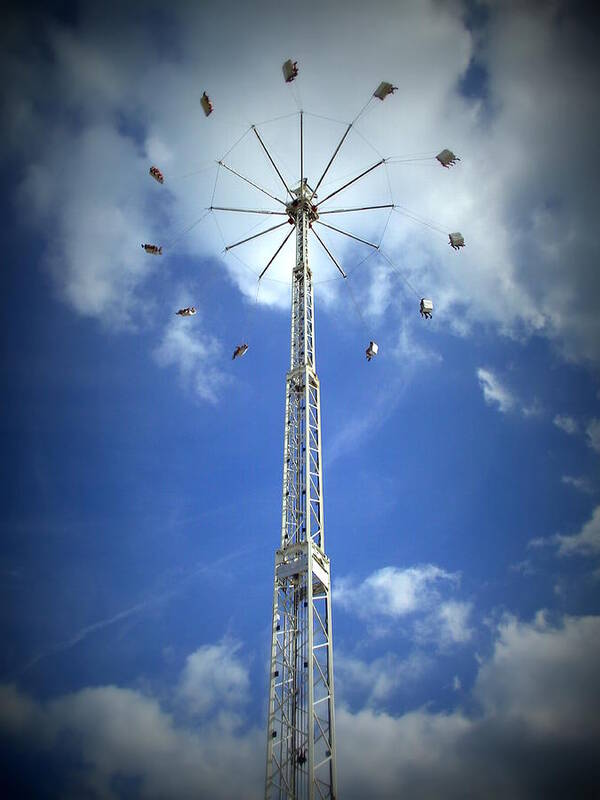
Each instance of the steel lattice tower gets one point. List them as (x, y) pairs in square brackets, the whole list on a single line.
[(301, 752), (301, 760)]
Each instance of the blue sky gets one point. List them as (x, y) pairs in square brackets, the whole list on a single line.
[(142, 470)]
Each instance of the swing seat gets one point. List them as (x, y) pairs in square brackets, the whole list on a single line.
[(371, 350), (153, 249), (426, 306), (290, 70), (157, 174), (456, 240), (447, 158), (207, 106), (239, 351), (383, 90)]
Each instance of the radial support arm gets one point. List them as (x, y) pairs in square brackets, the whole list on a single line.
[(248, 210), (335, 152), (256, 235), (349, 183), (361, 208), (287, 188), (256, 186), (279, 249), (351, 235), (324, 246)]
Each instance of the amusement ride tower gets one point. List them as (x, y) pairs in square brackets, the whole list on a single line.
[(301, 747), (301, 729)]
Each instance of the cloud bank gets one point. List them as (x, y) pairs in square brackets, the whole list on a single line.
[(530, 730)]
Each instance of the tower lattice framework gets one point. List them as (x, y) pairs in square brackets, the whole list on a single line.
[(301, 761)]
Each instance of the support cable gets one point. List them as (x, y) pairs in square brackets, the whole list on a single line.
[(369, 255), (216, 221), (235, 144), (397, 271), (357, 308), (360, 263), (385, 227), (327, 119), (276, 119), (368, 143), (251, 315), (203, 168), (235, 255), (415, 218), (212, 197), (180, 236), (363, 109), (295, 91)]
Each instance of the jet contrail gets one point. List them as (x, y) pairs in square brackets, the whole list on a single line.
[(155, 600)]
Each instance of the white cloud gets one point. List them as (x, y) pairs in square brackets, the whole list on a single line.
[(446, 625), (534, 409), (581, 483), (414, 595), (494, 393), (524, 213), (195, 354), (592, 432), (411, 350), (454, 619), (535, 704), (375, 681), (525, 567), (214, 677), (114, 733), (393, 592), (566, 423), (584, 543)]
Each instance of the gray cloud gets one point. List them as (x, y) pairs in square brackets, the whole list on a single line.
[(534, 733), (123, 735), (566, 423), (592, 433), (581, 483), (531, 731)]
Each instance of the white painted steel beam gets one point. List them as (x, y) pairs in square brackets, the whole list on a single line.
[(301, 759)]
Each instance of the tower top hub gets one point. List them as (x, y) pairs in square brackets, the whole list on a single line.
[(303, 190), (303, 202)]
